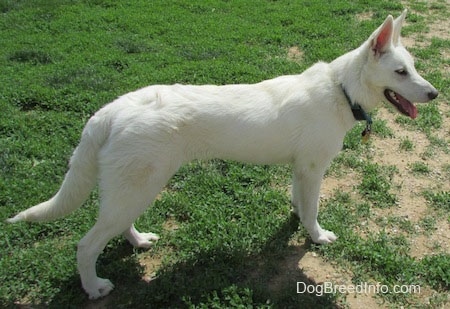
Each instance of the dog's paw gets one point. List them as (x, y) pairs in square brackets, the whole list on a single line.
[(324, 237), (140, 240), (100, 288), (144, 240)]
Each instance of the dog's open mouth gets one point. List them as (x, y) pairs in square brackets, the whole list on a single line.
[(404, 106)]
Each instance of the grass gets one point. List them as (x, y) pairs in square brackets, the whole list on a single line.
[(376, 185), (406, 145), (419, 168), (227, 234), (440, 200)]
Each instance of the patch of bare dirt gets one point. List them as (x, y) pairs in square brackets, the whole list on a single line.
[(412, 206), (321, 271), (439, 29), (152, 262), (364, 16), (295, 54), (437, 241), (343, 183)]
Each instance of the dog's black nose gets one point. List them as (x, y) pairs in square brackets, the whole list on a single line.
[(433, 94)]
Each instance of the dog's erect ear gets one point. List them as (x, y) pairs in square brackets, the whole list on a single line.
[(381, 39), (398, 23)]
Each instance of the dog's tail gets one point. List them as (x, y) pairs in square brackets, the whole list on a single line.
[(79, 180)]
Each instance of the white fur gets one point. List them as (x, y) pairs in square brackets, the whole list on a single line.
[(136, 143)]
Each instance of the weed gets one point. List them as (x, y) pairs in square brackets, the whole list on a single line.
[(439, 200), (396, 223), (419, 168), (230, 297), (381, 129), (437, 143), (428, 223), (406, 145), (376, 185)]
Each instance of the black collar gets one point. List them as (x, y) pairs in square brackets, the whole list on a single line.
[(359, 114), (357, 110)]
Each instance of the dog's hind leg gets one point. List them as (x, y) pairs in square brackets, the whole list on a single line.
[(121, 203), (305, 199), (140, 240)]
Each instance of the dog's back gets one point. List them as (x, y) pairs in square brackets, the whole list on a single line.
[(257, 123)]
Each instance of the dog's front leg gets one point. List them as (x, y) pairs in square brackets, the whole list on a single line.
[(305, 199)]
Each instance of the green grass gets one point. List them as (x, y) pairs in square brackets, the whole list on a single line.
[(439, 200), (419, 168), (376, 185), (406, 145), (62, 60)]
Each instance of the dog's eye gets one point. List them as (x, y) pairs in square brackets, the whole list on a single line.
[(401, 72)]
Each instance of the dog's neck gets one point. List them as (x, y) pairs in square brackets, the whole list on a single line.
[(359, 114), (349, 74), (350, 70), (357, 110)]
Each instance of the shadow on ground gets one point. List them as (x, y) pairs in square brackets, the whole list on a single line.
[(216, 278)]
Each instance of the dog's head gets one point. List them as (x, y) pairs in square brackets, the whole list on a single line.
[(391, 69)]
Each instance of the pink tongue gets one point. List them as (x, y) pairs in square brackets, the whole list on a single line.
[(407, 106)]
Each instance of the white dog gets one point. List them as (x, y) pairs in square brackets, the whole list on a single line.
[(134, 145)]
